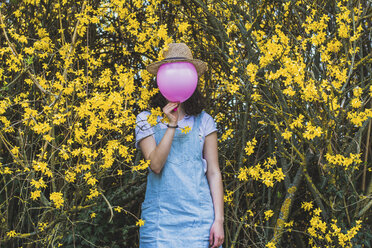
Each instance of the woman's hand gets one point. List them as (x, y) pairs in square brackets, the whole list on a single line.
[(172, 115), (216, 236)]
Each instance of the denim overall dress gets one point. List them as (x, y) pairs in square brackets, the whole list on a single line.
[(178, 207)]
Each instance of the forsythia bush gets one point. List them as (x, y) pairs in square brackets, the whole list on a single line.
[(289, 85)]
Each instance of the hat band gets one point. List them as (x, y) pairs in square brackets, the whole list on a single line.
[(176, 58)]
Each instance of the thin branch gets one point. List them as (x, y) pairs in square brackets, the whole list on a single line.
[(14, 52)]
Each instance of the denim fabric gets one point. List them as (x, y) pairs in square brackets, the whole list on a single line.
[(178, 207), (144, 129)]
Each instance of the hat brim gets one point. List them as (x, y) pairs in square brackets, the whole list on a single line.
[(200, 65)]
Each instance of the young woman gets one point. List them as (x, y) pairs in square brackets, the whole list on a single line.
[(183, 205)]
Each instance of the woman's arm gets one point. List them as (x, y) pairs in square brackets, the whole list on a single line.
[(215, 184), (158, 154)]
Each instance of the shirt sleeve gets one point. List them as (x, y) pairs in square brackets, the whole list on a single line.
[(208, 124), (143, 128)]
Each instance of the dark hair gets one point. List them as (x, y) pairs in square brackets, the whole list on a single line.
[(192, 106)]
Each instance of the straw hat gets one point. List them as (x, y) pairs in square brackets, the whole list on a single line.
[(178, 52)]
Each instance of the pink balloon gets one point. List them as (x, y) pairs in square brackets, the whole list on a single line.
[(177, 81)]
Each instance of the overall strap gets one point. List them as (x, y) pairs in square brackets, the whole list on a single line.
[(198, 120), (157, 130), (156, 127)]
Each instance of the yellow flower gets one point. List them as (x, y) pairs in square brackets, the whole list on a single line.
[(268, 214), (340, 160), (271, 161), (90, 180), (356, 103), (7, 170), (93, 193), (11, 233), (249, 194), (183, 27), (252, 71), (15, 151), (243, 174), (343, 30), (185, 130), (227, 134), (317, 211), (162, 32), (152, 118), (255, 172), (287, 134), (40, 128), (43, 167), (307, 205), (297, 122), (312, 132), (255, 96), (42, 226), (334, 46), (120, 172), (56, 197), (38, 184), (93, 215), (140, 222), (357, 91), (142, 165), (228, 197), (48, 138), (70, 176), (35, 194), (288, 224), (118, 209), (249, 149), (310, 92), (357, 118), (270, 245), (232, 88), (289, 91), (278, 175), (267, 179)]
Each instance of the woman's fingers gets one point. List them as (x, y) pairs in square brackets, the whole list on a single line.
[(174, 105), (218, 241), (215, 239), (172, 115), (210, 240), (169, 107)]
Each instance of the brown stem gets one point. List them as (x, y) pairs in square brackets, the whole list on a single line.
[(73, 42), (366, 157), (286, 206), (108, 204)]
